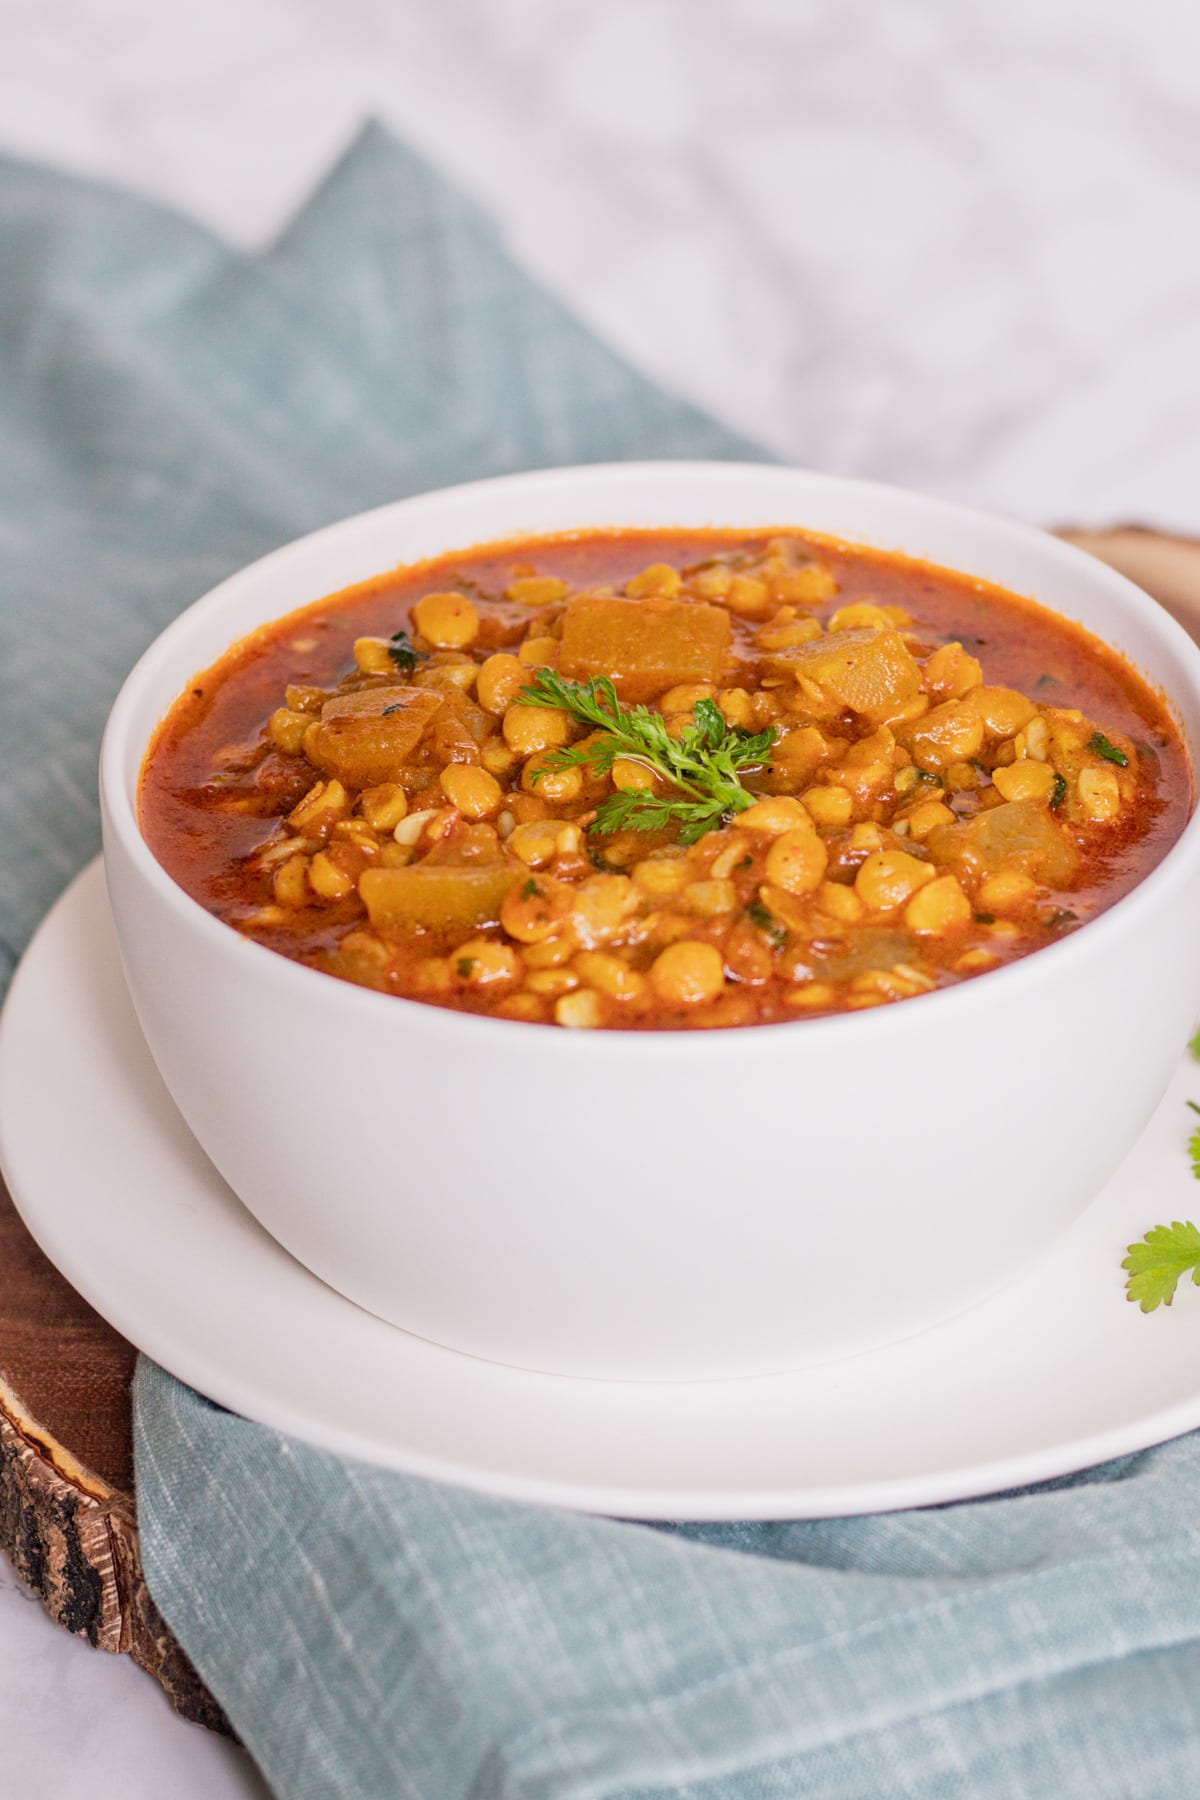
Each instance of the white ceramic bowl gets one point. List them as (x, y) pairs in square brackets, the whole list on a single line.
[(680, 1204)]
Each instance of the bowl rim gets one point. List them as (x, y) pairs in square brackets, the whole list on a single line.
[(119, 811)]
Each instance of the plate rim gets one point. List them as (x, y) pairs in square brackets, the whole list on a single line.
[(196, 1366)]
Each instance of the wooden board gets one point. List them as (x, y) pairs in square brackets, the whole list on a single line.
[(68, 1515), (68, 1519)]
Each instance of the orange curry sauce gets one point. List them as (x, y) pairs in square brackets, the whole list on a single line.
[(908, 840)]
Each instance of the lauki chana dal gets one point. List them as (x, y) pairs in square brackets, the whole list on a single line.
[(636, 779)]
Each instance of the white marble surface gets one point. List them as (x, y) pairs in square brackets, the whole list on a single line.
[(944, 242), (75, 1721), (940, 241)]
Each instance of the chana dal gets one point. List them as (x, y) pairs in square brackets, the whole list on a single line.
[(652, 780)]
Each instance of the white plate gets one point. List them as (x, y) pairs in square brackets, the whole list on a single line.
[(1056, 1373)]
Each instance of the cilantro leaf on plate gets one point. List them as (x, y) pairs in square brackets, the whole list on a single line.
[(1156, 1264)]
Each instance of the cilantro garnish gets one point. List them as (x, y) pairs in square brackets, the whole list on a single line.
[(1156, 1264), (1099, 745), (766, 922), (704, 765), (402, 652), (1060, 792), (601, 862)]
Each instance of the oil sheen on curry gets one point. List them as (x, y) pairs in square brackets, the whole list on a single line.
[(653, 780)]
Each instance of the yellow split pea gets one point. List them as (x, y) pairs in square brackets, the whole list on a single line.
[(688, 973), (448, 621)]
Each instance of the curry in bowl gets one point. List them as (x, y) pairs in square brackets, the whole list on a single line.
[(663, 780)]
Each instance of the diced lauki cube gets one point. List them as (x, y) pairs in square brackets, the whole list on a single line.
[(438, 894), (644, 646), (1020, 835), (866, 671), (366, 738)]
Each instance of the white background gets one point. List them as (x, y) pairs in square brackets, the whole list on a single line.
[(945, 242)]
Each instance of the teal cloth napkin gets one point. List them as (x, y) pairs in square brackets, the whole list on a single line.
[(169, 410)]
